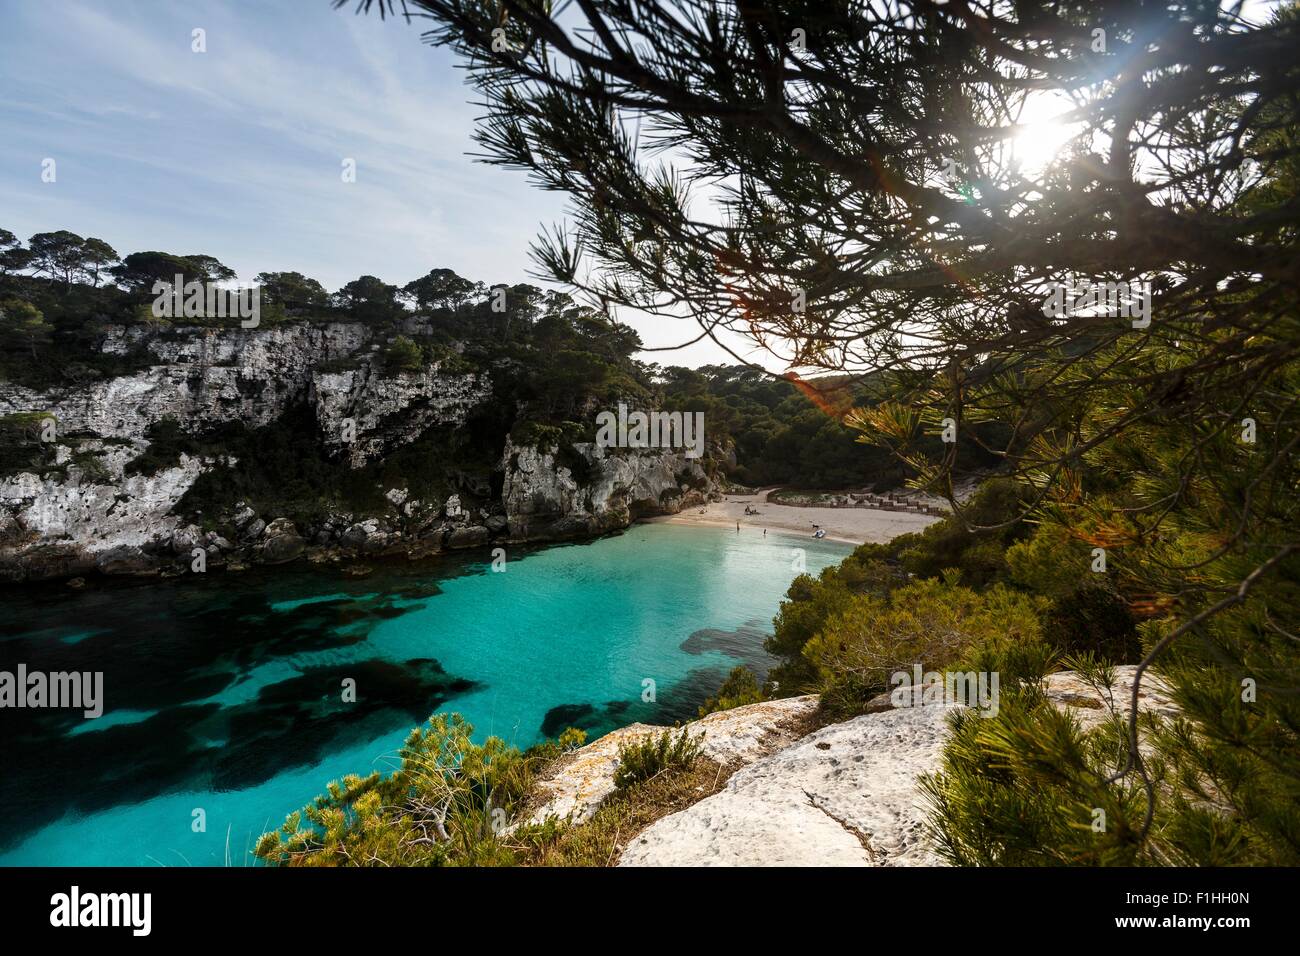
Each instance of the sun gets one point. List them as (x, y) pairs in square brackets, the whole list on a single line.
[(1044, 132)]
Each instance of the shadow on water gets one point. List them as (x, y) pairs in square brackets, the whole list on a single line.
[(166, 650), (745, 644), (681, 702)]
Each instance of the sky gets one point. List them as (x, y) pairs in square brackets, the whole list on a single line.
[(238, 152)]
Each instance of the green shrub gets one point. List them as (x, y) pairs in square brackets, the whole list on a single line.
[(936, 624), (618, 819), (21, 448), (1029, 787), (571, 739), (1050, 562), (448, 360), (740, 688), (1026, 787), (92, 469), (537, 434), (974, 542), (1096, 619), (445, 805), (648, 758), (1086, 613), (811, 601), (402, 355)]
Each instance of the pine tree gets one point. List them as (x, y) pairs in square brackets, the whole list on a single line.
[(870, 215)]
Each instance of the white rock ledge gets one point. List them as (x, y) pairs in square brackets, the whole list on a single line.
[(847, 794), (741, 735), (814, 803)]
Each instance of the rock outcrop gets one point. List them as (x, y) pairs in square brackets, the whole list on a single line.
[(740, 736), (364, 415), (201, 377), (1069, 691), (545, 500), (281, 542), (845, 795), (56, 527)]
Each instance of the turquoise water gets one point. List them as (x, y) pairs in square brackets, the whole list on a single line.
[(225, 695)]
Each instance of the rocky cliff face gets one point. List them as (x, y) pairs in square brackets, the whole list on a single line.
[(200, 377), (61, 526), (364, 415), (83, 509), (544, 499)]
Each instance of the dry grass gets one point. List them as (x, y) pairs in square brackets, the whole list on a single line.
[(621, 818)]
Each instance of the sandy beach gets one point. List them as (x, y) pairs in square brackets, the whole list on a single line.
[(849, 525)]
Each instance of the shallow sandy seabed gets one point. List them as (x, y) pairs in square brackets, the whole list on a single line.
[(848, 525)]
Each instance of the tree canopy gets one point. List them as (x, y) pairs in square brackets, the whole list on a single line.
[(292, 290), (140, 270), (440, 288)]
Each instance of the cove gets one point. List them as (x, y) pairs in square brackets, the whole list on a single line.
[(222, 696)]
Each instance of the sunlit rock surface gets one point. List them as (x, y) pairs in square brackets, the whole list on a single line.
[(843, 796), (847, 794), (742, 735), (544, 499)]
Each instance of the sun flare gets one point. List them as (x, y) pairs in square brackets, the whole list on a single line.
[(1043, 132)]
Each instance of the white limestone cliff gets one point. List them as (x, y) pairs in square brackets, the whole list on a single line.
[(56, 523), (543, 498)]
